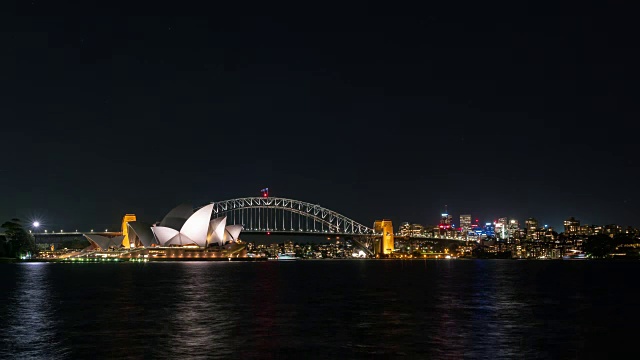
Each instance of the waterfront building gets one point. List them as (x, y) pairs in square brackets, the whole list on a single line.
[(612, 229), (140, 234), (586, 230), (182, 226), (101, 242), (288, 247), (572, 226)]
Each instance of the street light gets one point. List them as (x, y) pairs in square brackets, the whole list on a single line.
[(35, 226)]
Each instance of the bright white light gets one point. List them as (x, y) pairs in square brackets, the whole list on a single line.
[(36, 223)]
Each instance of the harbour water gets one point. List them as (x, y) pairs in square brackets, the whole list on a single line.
[(447, 309)]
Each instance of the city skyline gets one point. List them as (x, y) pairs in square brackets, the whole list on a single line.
[(40, 223), (371, 111)]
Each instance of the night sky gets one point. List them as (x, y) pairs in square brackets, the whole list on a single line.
[(371, 110)]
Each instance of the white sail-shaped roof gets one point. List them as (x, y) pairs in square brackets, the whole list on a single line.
[(116, 241), (180, 239), (164, 234), (232, 232), (196, 227), (104, 242), (177, 216), (98, 241), (216, 230), (142, 232)]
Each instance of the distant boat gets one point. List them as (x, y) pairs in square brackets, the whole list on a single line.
[(287, 256), (574, 255)]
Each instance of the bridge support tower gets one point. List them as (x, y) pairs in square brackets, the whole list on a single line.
[(384, 228), (125, 229)]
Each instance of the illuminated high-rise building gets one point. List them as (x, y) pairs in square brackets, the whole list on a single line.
[(531, 225), (445, 219), (571, 226), (489, 230), (512, 228), (501, 228), (465, 224)]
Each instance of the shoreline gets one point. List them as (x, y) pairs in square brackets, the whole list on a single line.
[(263, 259)]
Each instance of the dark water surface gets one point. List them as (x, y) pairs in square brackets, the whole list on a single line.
[(321, 309)]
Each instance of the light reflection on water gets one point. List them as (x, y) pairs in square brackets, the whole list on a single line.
[(318, 309), (199, 315), (29, 324)]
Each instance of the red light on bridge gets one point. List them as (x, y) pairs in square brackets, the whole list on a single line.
[(268, 232)]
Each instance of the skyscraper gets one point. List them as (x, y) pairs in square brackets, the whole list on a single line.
[(531, 225), (501, 228), (465, 224), (513, 228), (445, 219)]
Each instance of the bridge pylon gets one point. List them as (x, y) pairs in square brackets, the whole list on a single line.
[(383, 247), (125, 229)]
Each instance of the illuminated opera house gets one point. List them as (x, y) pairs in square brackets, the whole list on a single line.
[(182, 233)]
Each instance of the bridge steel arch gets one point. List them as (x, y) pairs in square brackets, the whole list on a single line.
[(274, 214)]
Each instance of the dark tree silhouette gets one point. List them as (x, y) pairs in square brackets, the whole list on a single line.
[(18, 241), (599, 246)]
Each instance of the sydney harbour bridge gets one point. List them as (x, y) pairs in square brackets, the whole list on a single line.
[(280, 215), (275, 215)]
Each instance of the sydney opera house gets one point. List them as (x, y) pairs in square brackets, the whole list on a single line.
[(182, 233)]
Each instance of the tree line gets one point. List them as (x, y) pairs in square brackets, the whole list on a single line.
[(602, 245), (16, 242)]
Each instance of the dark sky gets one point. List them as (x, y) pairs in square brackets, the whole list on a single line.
[(371, 110)]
